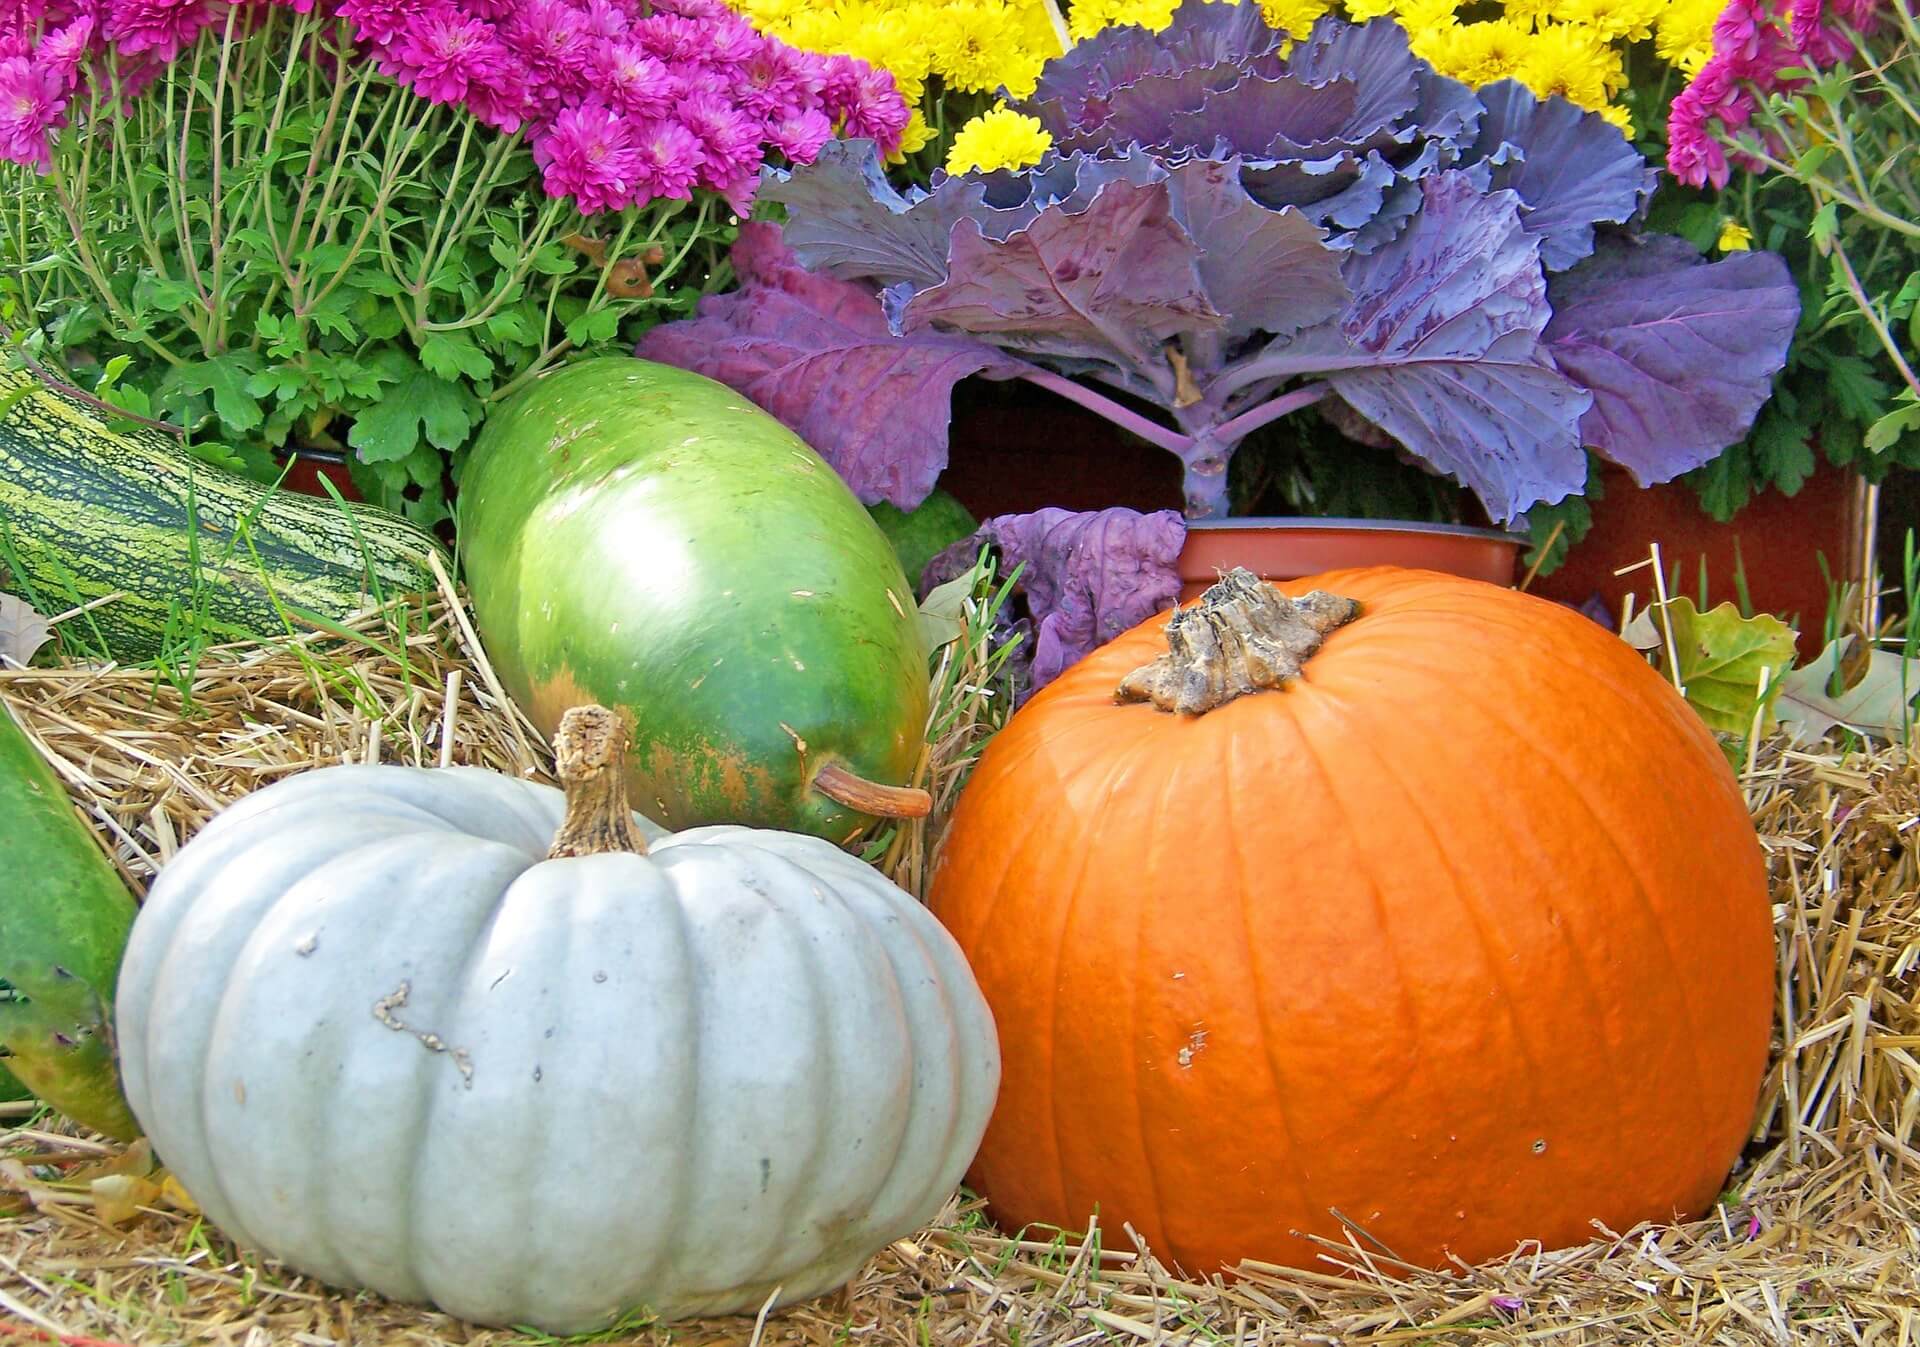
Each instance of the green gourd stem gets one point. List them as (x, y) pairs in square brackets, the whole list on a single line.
[(1243, 636), (839, 783), (591, 752)]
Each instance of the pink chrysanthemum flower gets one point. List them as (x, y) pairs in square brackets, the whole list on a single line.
[(673, 39), (733, 42), (727, 135), (162, 27), (33, 100), (876, 111), (1693, 155), (606, 21), (444, 54), (633, 82), (669, 160), (695, 9), (801, 135), (65, 49), (378, 23), (1821, 43), (551, 38), (771, 82), (589, 155), (506, 104)]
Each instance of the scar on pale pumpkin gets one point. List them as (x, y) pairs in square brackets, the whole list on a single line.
[(1243, 636), (590, 749)]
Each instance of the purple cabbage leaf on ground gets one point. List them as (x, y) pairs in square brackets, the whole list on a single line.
[(1088, 577)]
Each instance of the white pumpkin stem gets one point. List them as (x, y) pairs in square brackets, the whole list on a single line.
[(1245, 635), (591, 753), (840, 784)]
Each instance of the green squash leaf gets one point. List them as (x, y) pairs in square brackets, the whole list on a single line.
[(1880, 704), (1722, 659)]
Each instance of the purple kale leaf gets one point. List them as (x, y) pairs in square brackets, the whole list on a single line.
[(1246, 250), (845, 219), (1679, 353), (1110, 284), (1441, 348), (1571, 168), (817, 353), (1087, 577), (1076, 90)]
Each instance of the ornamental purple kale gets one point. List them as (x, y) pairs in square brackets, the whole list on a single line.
[(1230, 229)]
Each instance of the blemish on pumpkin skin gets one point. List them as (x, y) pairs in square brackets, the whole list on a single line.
[(1195, 1045), (383, 1011)]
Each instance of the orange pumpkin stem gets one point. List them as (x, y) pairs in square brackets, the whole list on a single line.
[(1243, 636), (591, 748)]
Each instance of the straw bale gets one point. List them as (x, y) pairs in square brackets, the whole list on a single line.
[(1819, 1242)]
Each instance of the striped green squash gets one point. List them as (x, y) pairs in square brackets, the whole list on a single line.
[(87, 511)]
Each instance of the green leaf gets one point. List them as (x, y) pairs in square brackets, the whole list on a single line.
[(1857, 390), (1722, 657), (1883, 434), (225, 379), (554, 260), (943, 613), (280, 382), (391, 429), (1555, 529), (450, 354), (162, 293), (1809, 162), (1784, 450), (1825, 227), (509, 325), (1879, 704)]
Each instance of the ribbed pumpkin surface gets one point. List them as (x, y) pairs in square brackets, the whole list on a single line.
[(1464, 935)]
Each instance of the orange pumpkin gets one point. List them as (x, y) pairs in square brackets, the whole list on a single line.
[(1461, 935)]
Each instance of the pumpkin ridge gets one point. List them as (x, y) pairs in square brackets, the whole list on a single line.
[(1574, 949), (443, 1018), (1270, 1042), (825, 1102), (1133, 1037), (1124, 763), (1642, 896), (1494, 958), (691, 1135), (921, 946)]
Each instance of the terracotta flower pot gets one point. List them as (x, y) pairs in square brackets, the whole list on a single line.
[(305, 468), (1776, 543), (1286, 549)]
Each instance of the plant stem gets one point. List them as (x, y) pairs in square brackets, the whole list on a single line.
[(1173, 441), (1237, 429)]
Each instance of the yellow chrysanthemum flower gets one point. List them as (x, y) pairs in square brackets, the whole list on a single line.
[(1427, 16), (1612, 20), (998, 138), (1362, 10), (1683, 35), (1294, 17), (974, 46), (1567, 60), (1477, 53), (1615, 115), (1734, 237)]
